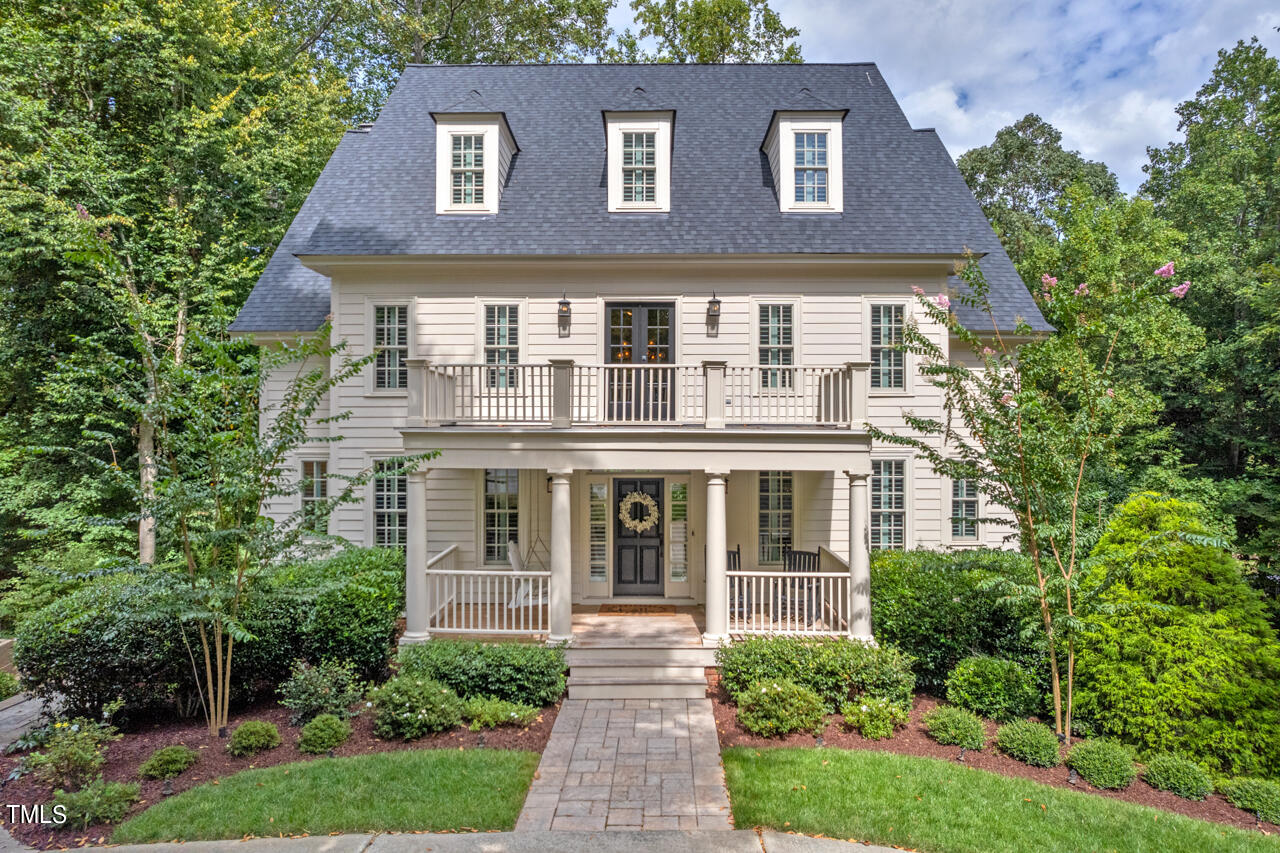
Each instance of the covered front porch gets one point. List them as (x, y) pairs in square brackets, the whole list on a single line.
[(618, 527)]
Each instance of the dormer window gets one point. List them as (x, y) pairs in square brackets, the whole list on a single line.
[(467, 171), (473, 155), (639, 161), (805, 152)]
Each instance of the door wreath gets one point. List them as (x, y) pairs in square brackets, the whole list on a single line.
[(638, 525)]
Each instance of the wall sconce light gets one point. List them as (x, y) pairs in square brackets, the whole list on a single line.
[(713, 307), (563, 314), (548, 484)]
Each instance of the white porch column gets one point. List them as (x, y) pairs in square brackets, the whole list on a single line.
[(416, 599), (561, 615), (859, 559), (717, 603)]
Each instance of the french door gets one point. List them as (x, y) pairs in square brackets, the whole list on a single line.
[(641, 386)]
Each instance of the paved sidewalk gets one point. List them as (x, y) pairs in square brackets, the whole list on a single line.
[(740, 841), (17, 714), (627, 764)]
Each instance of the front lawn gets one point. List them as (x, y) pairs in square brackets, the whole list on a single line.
[(940, 807), (431, 789)]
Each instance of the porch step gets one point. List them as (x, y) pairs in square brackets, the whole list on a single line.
[(645, 672), (622, 686), (638, 655)]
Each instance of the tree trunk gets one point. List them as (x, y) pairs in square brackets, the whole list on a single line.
[(419, 45), (147, 480)]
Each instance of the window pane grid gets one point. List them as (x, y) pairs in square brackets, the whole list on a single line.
[(888, 504), (888, 365), (678, 508), (467, 168), (598, 532), (776, 345), (775, 515), (390, 507), (391, 343), (502, 344), (811, 167), (964, 509), (315, 489), (639, 167), (501, 514)]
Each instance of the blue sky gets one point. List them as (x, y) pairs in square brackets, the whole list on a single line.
[(1107, 74)]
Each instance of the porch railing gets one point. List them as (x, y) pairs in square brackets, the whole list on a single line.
[(803, 603), (485, 601), (563, 394)]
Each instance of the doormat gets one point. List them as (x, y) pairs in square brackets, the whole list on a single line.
[(638, 608)]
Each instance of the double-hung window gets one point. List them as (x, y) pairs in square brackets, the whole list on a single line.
[(777, 345), (639, 167), (501, 512), (888, 504), (888, 363), (811, 167), (466, 168), (390, 506), (964, 509), (391, 343), (501, 345), (315, 491), (775, 515)]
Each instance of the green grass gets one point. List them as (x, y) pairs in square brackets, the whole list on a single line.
[(939, 807), (429, 789)]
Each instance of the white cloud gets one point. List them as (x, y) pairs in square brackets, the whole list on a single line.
[(1107, 75)]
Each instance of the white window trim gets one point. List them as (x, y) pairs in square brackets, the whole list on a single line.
[(446, 128), (755, 516), (313, 455), (908, 361), (788, 125), (521, 529), (797, 348), (975, 541), (657, 123), (683, 588), (596, 589), (522, 302), (371, 388), (370, 512), (908, 500)]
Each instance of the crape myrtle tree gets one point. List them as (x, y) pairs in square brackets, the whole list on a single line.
[(1028, 422), (220, 462)]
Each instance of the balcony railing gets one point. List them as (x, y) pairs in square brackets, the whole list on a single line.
[(564, 394)]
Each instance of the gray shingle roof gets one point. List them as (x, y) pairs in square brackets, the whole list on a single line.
[(902, 193)]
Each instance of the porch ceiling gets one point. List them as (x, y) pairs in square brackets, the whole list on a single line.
[(651, 449)]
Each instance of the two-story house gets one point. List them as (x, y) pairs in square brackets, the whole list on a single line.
[(645, 313)]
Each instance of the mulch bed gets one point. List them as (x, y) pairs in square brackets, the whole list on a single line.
[(913, 740), (125, 756)]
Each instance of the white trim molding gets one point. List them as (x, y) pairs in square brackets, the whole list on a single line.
[(659, 123), (780, 146), (498, 149)]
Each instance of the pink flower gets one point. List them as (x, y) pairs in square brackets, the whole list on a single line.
[(943, 302), (988, 351), (1046, 296), (1007, 399), (918, 291), (1111, 392), (1048, 280), (1083, 289), (1181, 290), (81, 211), (1165, 271)]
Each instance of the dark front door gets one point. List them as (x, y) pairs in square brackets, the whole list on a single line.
[(637, 553), (640, 387)]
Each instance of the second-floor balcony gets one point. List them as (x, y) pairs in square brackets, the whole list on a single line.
[(564, 394)]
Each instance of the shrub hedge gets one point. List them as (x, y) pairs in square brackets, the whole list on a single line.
[(167, 762), (323, 733), (331, 687), (1030, 743), (1178, 775), (487, 712), (933, 606), (1103, 763), (875, 719), (952, 726), (1260, 796), (999, 689), (108, 639), (97, 802), (408, 707), (779, 707), (836, 669), (517, 672), (252, 737)]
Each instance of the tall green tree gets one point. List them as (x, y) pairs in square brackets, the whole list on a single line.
[(1220, 185), (1021, 176), (706, 31)]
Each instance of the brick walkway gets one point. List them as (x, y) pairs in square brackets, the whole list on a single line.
[(630, 764)]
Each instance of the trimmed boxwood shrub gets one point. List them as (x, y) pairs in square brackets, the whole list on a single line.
[(952, 726), (325, 732), (516, 672), (1260, 796), (252, 737), (999, 689), (1030, 743), (1103, 763), (779, 707), (1178, 775), (932, 605), (835, 669), (111, 638), (167, 762), (1180, 657), (408, 707)]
